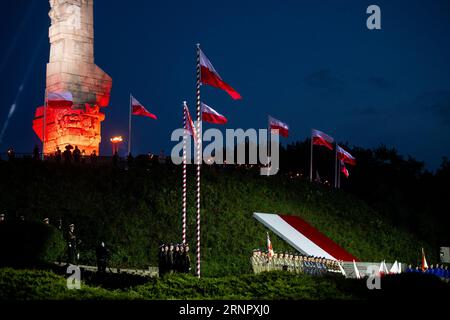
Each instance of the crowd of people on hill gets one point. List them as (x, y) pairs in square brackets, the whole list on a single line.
[(440, 271), (296, 263), (173, 258)]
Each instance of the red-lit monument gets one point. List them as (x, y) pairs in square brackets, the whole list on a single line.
[(72, 69)]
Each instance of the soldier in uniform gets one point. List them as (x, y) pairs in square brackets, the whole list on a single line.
[(177, 263), (161, 261), (264, 260), (272, 266), (171, 259), (72, 244), (254, 261), (186, 259), (102, 257), (291, 266)]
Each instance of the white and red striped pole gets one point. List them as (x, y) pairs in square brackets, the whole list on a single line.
[(184, 204), (199, 157)]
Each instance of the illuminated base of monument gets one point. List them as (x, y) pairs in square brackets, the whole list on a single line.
[(77, 127)]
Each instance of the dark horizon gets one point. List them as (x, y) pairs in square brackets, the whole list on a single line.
[(311, 65)]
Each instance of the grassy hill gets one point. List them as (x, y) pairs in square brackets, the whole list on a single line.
[(135, 210), (44, 285)]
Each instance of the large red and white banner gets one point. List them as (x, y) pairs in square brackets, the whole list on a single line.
[(211, 77), (190, 127), (283, 128), (320, 138), (345, 156), (212, 116), (304, 237), (138, 109), (61, 99)]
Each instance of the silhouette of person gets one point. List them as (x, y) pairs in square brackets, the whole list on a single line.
[(102, 257), (58, 155), (36, 153), (94, 157), (76, 155)]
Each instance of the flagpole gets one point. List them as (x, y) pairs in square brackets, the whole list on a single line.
[(199, 160), (269, 146), (129, 128), (184, 205), (339, 175), (44, 126), (311, 161), (335, 168)]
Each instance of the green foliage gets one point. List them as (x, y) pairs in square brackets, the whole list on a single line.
[(44, 285), (24, 243), (134, 211)]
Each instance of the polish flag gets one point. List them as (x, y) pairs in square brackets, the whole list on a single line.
[(344, 169), (211, 77), (303, 237), (139, 110), (322, 139), (212, 116), (269, 247), (61, 99), (189, 123), (283, 128), (345, 156), (424, 261)]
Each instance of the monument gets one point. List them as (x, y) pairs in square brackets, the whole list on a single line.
[(71, 68)]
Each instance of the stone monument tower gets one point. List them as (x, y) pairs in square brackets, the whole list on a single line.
[(71, 68)]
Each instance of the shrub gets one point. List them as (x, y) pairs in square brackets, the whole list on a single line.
[(25, 244)]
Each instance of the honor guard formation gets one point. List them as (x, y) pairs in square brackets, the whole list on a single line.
[(173, 258), (294, 263)]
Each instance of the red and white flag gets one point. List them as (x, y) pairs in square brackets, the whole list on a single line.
[(424, 261), (137, 109), (345, 156), (190, 127), (320, 138), (211, 77), (283, 128), (212, 116), (344, 169), (269, 247), (61, 99)]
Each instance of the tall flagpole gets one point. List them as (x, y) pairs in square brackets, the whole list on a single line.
[(311, 161), (335, 168), (269, 145), (129, 128), (199, 158), (184, 205), (44, 126)]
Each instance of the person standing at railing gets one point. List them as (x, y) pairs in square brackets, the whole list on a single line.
[(11, 154), (58, 155), (76, 155), (36, 153)]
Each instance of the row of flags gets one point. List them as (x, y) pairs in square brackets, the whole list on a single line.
[(209, 76), (320, 138)]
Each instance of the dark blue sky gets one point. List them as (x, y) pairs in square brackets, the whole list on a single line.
[(309, 63)]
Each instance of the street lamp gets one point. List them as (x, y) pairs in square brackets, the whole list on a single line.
[(116, 141)]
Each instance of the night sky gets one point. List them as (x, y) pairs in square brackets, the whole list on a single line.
[(312, 64)]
